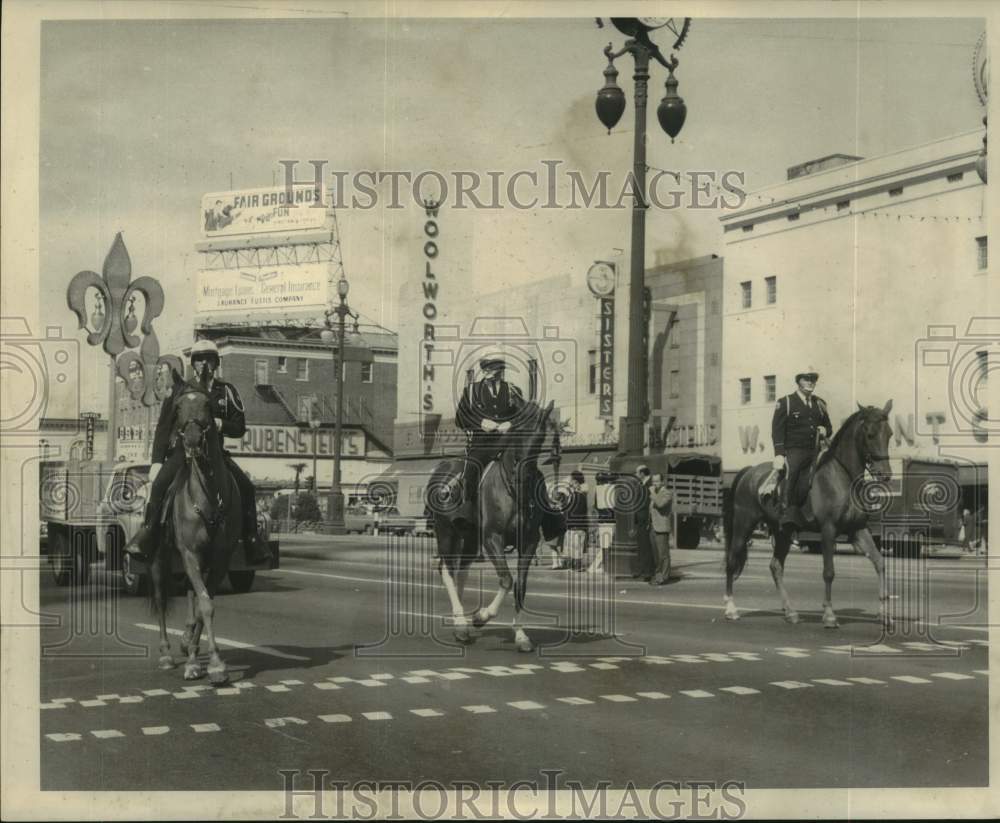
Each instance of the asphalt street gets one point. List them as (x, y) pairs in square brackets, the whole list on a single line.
[(342, 660)]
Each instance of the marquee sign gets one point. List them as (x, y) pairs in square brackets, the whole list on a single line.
[(300, 206), (293, 441)]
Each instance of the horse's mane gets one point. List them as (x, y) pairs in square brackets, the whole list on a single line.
[(841, 434)]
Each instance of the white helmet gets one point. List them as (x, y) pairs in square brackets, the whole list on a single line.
[(204, 349)]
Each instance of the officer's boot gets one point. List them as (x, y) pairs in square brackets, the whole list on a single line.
[(257, 551), (141, 544)]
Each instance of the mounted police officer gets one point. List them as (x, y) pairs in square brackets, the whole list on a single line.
[(795, 431), (168, 454), (487, 411)]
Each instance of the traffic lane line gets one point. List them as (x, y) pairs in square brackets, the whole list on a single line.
[(235, 644), (618, 599)]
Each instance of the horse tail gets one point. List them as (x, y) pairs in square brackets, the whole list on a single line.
[(736, 556)]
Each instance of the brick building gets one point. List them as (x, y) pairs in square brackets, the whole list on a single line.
[(286, 379)]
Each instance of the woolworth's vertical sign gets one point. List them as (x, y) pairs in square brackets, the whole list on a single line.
[(429, 309)]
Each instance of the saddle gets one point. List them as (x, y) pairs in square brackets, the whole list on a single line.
[(772, 490), (212, 518)]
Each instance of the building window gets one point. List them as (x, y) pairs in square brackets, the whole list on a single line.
[(260, 372), (713, 358), (793, 217), (532, 379), (982, 258), (769, 388), (366, 372), (772, 290), (713, 411), (301, 368), (282, 364), (744, 390), (748, 227), (956, 177), (592, 371), (843, 204), (713, 307), (675, 383), (896, 192), (746, 288)]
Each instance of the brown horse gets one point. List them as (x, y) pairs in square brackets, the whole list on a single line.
[(509, 512), (203, 526), (837, 499)]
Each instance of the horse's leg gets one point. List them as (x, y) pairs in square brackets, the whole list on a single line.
[(864, 542), (166, 661), (448, 566), (736, 558), (217, 674), (188, 639), (829, 535), (192, 567), (782, 543), (494, 545), (521, 639)]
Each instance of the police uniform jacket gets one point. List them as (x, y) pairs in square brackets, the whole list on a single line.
[(226, 405), (479, 402), (795, 423)]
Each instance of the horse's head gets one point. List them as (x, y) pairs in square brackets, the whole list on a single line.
[(872, 438), (193, 416)]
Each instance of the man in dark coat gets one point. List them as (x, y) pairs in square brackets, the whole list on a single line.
[(168, 455), (645, 558), (795, 428)]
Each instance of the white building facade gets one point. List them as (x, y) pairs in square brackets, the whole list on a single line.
[(875, 273)]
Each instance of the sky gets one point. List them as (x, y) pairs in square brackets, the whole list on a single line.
[(140, 118)]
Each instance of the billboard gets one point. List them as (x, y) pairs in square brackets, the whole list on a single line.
[(243, 293), (258, 211)]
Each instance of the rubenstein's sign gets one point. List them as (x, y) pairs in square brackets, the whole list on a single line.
[(298, 207), (292, 441)]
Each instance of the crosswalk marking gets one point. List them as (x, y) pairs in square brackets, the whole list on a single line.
[(867, 681), (829, 681), (479, 709), (335, 718), (688, 658), (526, 705), (103, 734), (281, 722), (453, 675), (753, 656), (52, 706), (791, 684), (290, 682), (656, 660), (372, 683), (416, 678), (982, 671), (278, 688), (427, 712), (72, 700), (575, 701), (718, 658), (877, 648), (845, 649), (603, 666), (567, 668), (326, 686), (382, 676), (206, 727), (797, 653), (91, 703), (341, 679), (739, 690), (376, 715), (108, 696), (132, 699), (63, 737), (653, 695), (953, 676), (697, 693), (909, 678), (618, 698), (191, 695), (154, 731)]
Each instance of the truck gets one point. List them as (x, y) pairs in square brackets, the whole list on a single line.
[(91, 509)]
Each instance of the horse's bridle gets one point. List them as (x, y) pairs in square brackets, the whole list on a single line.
[(198, 450)]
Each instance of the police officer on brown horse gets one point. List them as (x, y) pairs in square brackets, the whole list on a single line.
[(795, 431), (168, 454), (487, 411)]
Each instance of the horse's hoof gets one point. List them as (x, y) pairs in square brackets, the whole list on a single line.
[(464, 637), (732, 614), (478, 621), (218, 677), (192, 671), (166, 663), (525, 646), (792, 617), (831, 624)]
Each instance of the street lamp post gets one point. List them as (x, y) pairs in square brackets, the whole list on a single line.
[(342, 312), (671, 112)]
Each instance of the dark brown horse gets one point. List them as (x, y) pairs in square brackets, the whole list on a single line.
[(837, 500), (203, 526), (509, 511)]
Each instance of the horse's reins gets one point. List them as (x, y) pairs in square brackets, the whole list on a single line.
[(192, 454)]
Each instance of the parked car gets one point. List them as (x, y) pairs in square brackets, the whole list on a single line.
[(392, 522), (360, 519)]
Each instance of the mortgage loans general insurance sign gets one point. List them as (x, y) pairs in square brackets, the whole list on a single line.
[(267, 290), (258, 211)]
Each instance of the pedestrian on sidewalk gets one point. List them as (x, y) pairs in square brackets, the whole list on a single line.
[(605, 515), (645, 560), (661, 502), (577, 521)]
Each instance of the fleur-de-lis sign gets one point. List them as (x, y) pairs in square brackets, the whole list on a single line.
[(141, 371), (112, 324)]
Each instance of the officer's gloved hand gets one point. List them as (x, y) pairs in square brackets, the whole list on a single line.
[(504, 427), (779, 462), (489, 425), (154, 470), (218, 423)]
